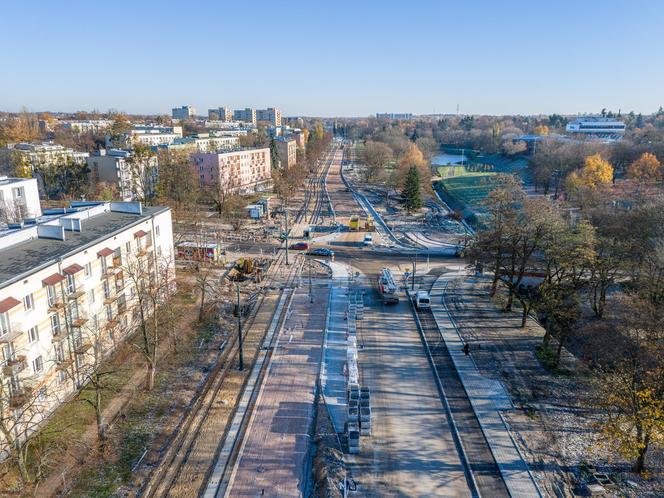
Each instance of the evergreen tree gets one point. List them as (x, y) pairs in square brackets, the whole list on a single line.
[(274, 154), (412, 198)]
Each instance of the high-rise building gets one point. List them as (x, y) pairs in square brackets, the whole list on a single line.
[(270, 115), (247, 115), (220, 114), (184, 112)]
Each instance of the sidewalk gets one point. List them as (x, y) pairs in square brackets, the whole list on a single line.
[(335, 349), (487, 397)]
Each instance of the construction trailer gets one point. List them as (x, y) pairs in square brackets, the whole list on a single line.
[(208, 252), (354, 223)]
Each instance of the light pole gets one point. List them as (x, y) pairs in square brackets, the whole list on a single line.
[(311, 296), (286, 209), (414, 269), (239, 327)]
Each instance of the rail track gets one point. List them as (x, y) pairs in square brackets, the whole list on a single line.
[(177, 473), (485, 475)]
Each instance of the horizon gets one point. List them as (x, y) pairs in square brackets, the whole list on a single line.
[(516, 59)]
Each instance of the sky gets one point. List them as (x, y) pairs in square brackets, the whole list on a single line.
[(334, 58)]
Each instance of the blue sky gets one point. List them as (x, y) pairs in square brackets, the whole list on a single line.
[(334, 58)]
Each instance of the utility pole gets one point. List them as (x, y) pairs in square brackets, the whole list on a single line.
[(239, 327), (311, 296), (286, 209)]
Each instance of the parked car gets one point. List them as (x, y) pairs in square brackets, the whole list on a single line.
[(322, 251), (299, 246), (368, 240)]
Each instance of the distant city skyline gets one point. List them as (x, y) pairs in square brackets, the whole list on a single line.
[(336, 59)]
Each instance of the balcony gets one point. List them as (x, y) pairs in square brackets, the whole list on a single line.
[(117, 262), (110, 299), (63, 364), (59, 337), (15, 366), (82, 346), (14, 333), (78, 293), (19, 398), (111, 324), (56, 304), (79, 320)]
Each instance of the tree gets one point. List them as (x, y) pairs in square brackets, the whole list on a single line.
[(625, 350), (593, 178), (177, 184), (288, 181), (512, 147), (542, 130), (23, 127), (153, 278), (375, 155), (274, 153), (646, 169), (411, 191), (143, 171)]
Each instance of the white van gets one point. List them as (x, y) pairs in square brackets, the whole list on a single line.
[(368, 240), (422, 300)]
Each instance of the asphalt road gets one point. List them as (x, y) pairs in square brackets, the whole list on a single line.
[(411, 451)]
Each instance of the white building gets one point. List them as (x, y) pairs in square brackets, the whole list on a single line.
[(87, 125), (148, 135), (133, 180), (596, 126), (205, 142), (19, 199), (68, 295), (184, 112), (397, 116)]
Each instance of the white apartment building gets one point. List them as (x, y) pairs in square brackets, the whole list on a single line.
[(132, 180), (223, 114), (204, 142), (19, 199), (244, 171), (270, 115), (397, 116), (148, 135), (68, 297), (287, 151), (246, 115), (184, 112), (87, 125)]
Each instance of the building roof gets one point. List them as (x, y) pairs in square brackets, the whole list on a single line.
[(25, 258)]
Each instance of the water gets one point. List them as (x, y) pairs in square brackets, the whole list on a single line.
[(445, 159)]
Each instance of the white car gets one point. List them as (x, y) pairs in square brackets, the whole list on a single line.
[(368, 240)]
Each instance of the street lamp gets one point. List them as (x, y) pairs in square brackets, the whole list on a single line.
[(239, 327)]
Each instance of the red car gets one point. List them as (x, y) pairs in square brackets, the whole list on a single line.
[(299, 246)]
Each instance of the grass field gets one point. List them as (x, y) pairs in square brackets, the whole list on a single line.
[(470, 189)]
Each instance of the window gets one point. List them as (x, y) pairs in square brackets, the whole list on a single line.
[(29, 302), (51, 293), (38, 364), (109, 312), (62, 376), (59, 353), (8, 353), (156, 230), (88, 269), (91, 296), (79, 361), (71, 284), (128, 247), (107, 290), (4, 324), (55, 324), (33, 334), (159, 251), (104, 265)]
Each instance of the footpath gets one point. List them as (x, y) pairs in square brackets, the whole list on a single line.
[(487, 397)]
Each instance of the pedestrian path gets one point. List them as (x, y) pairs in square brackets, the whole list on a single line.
[(336, 347), (487, 397)]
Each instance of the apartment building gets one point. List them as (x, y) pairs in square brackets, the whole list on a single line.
[(184, 112), (133, 180), (69, 296), (87, 125), (223, 114), (287, 151), (19, 199), (148, 135), (270, 116), (205, 142), (247, 115), (34, 154), (396, 116), (300, 137), (243, 171)]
